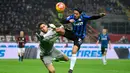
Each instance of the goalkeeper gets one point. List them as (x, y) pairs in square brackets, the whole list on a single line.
[(47, 36)]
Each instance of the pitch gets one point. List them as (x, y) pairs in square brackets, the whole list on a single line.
[(82, 66)]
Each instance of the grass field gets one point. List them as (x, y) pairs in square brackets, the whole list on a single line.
[(82, 66)]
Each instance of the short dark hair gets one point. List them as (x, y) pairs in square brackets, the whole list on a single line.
[(40, 23), (79, 10)]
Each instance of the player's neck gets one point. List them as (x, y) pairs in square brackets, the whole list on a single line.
[(104, 33)]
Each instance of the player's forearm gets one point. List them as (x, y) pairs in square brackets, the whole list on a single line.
[(95, 17), (97, 42), (110, 43)]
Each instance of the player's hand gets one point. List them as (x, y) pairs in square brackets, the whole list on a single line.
[(102, 14), (96, 43), (110, 47), (71, 20)]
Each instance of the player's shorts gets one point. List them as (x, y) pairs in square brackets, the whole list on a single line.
[(47, 58), (71, 36), (21, 50), (103, 49)]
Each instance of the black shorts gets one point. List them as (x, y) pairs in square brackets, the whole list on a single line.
[(71, 36), (103, 49)]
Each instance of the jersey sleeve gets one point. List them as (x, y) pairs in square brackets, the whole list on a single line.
[(108, 38), (99, 37), (85, 16), (38, 35), (69, 17)]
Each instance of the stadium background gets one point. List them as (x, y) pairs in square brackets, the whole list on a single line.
[(16, 15)]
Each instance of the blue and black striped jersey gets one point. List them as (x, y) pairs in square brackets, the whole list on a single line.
[(79, 25), (104, 39)]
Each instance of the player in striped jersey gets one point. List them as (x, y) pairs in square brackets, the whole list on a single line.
[(105, 40), (79, 21), (47, 37)]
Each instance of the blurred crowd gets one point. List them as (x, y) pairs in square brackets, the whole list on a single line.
[(29, 39), (123, 40), (16, 15), (33, 39)]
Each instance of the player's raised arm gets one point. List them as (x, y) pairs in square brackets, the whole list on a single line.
[(93, 17)]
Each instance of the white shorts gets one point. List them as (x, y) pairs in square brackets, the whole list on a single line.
[(21, 50)]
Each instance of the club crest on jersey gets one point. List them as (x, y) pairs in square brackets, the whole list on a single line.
[(79, 19), (79, 23), (105, 38)]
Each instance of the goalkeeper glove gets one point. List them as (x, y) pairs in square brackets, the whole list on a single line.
[(52, 26)]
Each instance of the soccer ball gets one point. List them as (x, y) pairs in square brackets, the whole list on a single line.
[(60, 7)]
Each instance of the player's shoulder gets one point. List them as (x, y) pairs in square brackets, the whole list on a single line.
[(100, 34), (84, 14), (107, 34), (70, 16)]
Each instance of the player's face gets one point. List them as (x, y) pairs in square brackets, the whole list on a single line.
[(104, 31), (21, 33), (43, 28), (76, 14)]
